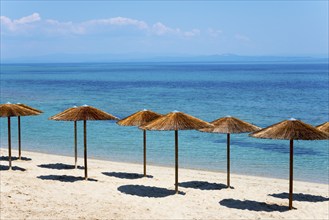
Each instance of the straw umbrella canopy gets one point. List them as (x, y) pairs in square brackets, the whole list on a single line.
[(75, 132), (176, 121), (230, 125), (138, 119), (83, 113), (37, 112), (13, 110), (324, 127), (291, 130)]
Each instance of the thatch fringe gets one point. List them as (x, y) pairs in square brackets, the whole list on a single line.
[(324, 127), (13, 110), (291, 130), (29, 107), (139, 118), (229, 125), (176, 121), (83, 113)]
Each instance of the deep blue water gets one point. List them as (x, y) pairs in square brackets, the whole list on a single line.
[(262, 94)]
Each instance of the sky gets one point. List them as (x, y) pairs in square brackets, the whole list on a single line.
[(164, 28)]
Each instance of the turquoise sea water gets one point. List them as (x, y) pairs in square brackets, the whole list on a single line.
[(262, 94)]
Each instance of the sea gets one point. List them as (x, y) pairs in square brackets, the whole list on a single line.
[(259, 93)]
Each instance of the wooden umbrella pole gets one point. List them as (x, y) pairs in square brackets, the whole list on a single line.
[(176, 161), (228, 160), (75, 144), (144, 135), (291, 172), (85, 147), (9, 144), (19, 138)]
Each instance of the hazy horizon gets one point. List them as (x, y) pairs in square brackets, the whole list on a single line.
[(95, 58)]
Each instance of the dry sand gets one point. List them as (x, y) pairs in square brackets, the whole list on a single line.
[(46, 187)]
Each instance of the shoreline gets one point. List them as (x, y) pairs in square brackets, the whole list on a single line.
[(48, 186), (166, 166)]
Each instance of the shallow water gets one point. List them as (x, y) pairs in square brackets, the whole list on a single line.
[(262, 94)]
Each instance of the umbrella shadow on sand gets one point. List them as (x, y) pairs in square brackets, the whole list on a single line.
[(147, 191), (301, 197), (253, 205), (123, 175), (59, 166), (65, 178), (203, 185), (15, 168), (6, 158)]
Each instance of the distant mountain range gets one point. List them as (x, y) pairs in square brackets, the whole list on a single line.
[(72, 58)]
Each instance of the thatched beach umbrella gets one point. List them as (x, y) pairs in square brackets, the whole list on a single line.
[(291, 130), (37, 112), (58, 118), (324, 127), (176, 121), (13, 110), (229, 125), (138, 119), (83, 113)]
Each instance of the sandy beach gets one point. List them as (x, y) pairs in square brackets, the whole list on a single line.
[(44, 186)]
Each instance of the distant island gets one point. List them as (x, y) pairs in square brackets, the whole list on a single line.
[(78, 58)]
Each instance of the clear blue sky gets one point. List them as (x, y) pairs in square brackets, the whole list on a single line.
[(36, 28)]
